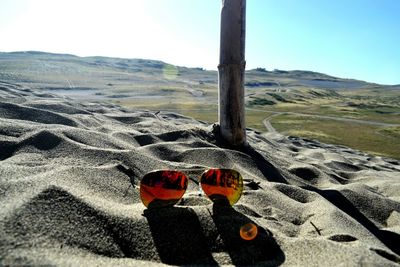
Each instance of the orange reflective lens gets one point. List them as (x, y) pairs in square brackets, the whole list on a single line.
[(162, 188), (222, 185)]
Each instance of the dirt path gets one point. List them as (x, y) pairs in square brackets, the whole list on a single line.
[(268, 124), (271, 129)]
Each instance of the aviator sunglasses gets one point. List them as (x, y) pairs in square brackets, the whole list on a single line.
[(164, 188)]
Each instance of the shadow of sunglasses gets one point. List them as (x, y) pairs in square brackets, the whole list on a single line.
[(164, 188)]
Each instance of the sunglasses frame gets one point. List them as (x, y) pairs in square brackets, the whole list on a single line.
[(221, 185)]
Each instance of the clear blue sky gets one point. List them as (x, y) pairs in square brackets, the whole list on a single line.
[(345, 38)]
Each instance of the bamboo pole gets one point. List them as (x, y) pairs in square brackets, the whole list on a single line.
[(231, 72)]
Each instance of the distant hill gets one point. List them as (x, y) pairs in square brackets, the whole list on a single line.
[(41, 69)]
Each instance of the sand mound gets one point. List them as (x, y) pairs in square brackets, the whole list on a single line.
[(69, 176)]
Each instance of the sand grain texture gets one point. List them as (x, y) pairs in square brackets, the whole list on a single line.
[(69, 175)]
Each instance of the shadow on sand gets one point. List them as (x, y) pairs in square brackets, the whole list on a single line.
[(180, 238), (269, 171), (263, 249)]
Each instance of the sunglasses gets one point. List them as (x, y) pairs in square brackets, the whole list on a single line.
[(164, 188)]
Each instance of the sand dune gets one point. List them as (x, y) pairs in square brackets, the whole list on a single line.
[(69, 175)]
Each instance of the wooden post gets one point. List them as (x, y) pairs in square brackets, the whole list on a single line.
[(231, 72)]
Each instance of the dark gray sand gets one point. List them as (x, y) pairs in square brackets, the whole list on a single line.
[(69, 176)]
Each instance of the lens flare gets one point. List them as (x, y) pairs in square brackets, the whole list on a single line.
[(223, 186), (248, 231), (170, 72), (162, 188)]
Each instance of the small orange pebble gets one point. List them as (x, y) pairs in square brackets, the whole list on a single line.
[(248, 231)]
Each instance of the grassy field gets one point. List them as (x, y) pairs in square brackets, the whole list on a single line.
[(155, 85), (204, 112), (377, 140)]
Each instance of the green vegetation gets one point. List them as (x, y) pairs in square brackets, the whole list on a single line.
[(373, 139), (391, 132), (261, 102)]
